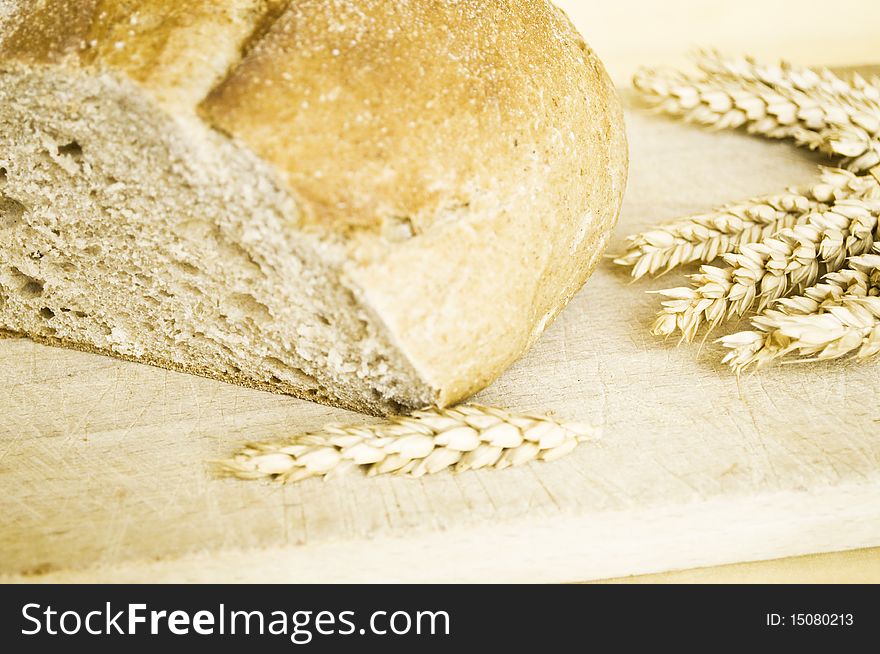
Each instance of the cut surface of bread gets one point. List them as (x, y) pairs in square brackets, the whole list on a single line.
[(377, 205)]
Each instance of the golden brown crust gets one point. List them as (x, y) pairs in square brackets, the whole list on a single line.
[(376, 110), (176, 49), (46, 31)]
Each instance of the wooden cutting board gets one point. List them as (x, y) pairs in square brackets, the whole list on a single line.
[(104, 477)]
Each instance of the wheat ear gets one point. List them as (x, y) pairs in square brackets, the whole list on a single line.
[(705, 237), (832, 319), (778, 112), (857, 96), (761, 273), (466, 437)]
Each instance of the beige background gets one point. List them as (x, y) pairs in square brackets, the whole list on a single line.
[(630, 33), (103, 463)]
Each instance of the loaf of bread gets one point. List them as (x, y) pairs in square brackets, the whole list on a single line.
[(377, 204)]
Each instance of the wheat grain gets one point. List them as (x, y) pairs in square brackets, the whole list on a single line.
[(707, 236), (466, 437), (819, 122), (761, 273), (832, 319), (850, 326)]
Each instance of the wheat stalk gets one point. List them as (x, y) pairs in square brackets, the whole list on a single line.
[(829, 320), (466, 437), (829, 123), (705, 237), (761, 273)]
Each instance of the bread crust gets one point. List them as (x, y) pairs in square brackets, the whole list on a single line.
[(470, 155), (375, 110), (176, 50)]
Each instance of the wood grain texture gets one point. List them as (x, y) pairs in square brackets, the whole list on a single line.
[(104, 475)]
